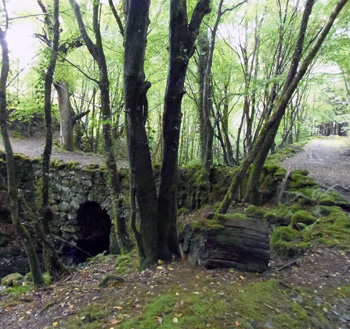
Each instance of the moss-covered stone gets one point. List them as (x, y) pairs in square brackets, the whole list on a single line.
[(302, 218), (288, 242), (12, 280), (300, 181)]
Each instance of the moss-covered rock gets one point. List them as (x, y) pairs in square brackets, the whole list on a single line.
[(288, 242), (302, 218), (301, 181), (12, 280)]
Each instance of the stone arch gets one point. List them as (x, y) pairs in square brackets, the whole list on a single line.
[(92, 237)]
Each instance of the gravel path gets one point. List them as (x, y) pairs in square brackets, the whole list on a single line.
[(34, 147), (328, 162)]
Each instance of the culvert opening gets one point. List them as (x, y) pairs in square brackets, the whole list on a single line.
[(94, 229)]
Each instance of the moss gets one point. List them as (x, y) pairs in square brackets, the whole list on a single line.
[(182, 211), (110, 279), (300, 181), (57, 164), (236, 215), (12, 280), (271, 167), (280, 216), (127, 263), (326, 200), (302, 172), (206, 225), (73, 165), (254, 211), (92, 167), (301, 218), (288, 242), (280, 173)]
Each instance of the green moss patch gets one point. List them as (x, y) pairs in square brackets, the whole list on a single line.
[(302, 218), (254, 211), (288, 242)]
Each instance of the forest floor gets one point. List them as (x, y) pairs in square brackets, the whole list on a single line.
[(328, 162), (311, 291)]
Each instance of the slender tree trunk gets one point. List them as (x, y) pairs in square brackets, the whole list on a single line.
[(10, 166), (182, 38), (52, 262)]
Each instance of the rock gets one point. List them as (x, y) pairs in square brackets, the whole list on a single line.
[(12, 280)]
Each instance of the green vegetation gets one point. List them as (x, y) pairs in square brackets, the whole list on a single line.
[(250, 305)]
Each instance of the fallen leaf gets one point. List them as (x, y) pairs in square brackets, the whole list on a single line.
[(55, 324), (118, 307)]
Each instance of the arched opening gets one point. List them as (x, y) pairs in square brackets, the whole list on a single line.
[(94, 230)]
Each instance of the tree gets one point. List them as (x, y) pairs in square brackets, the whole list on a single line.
[(269, 130), (51, 259), (158, 234), (97, 52), (183, 35), (10, 163)]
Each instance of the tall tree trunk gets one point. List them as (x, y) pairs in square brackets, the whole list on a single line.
[(183, 35), (10, 165), (135, 89), (51, 259)]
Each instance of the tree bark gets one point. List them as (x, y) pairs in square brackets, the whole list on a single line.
[(10, 166), (51, 259), (135, 89), (183, 35), (66, 115)]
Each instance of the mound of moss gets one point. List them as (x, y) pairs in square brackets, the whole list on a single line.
[(288, 242), (302, 218)]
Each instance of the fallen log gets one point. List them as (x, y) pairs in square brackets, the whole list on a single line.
[(227, 242)]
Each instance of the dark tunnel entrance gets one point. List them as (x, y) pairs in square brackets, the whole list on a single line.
[(93, 236)]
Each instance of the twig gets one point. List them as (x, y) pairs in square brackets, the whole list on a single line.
[(295, 261)]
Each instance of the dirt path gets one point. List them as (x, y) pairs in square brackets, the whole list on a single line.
[(328, 162), (34, 147)]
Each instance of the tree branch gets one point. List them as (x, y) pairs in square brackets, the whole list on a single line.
[(117, 17)]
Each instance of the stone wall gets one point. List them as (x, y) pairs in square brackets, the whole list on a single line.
[(73, 185)]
